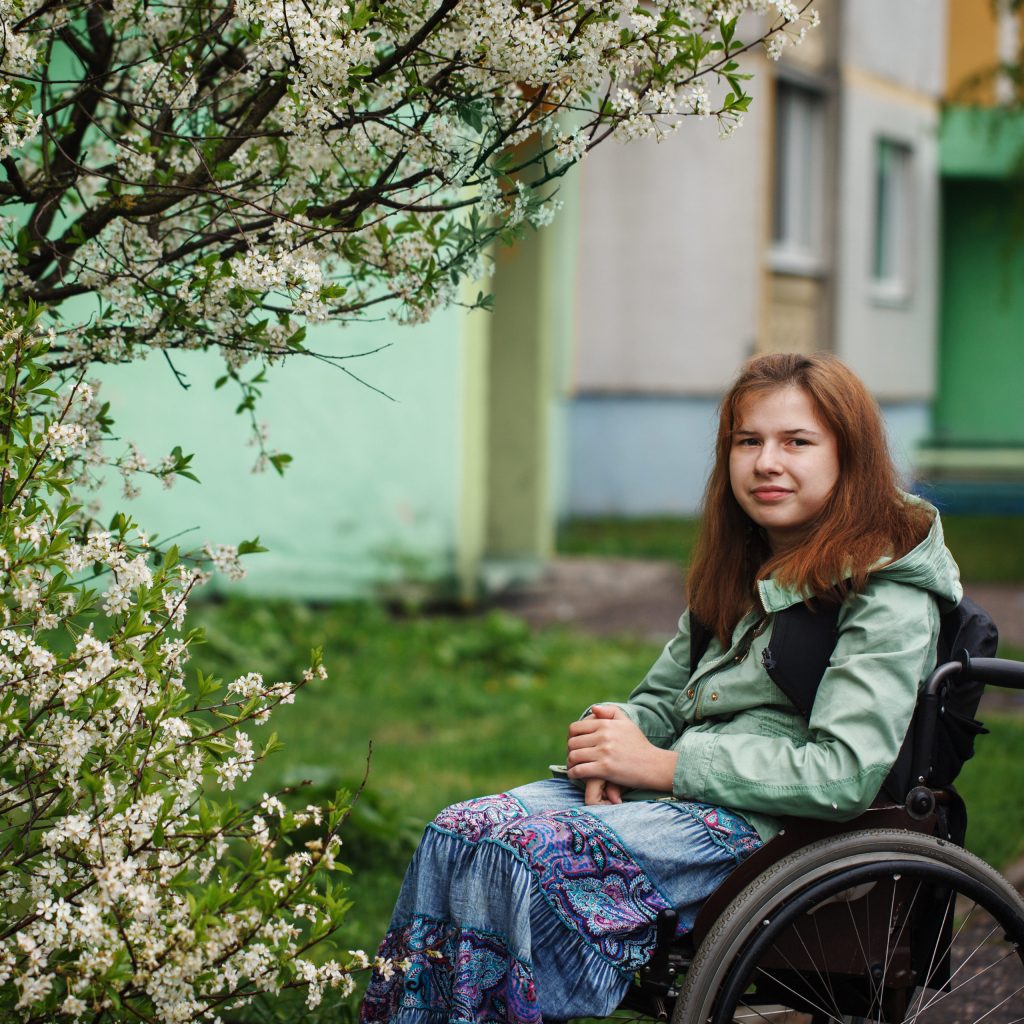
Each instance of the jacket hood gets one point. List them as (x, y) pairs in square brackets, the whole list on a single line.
[(929, 566)]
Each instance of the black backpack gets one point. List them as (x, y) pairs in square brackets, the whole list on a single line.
[(800, 648)]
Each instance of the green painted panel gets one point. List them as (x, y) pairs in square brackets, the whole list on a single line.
[(981, 143), (374, 488), (981, 385)]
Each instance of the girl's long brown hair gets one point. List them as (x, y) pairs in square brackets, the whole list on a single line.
[(865, 518)]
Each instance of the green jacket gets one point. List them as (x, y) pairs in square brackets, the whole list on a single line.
[(743, 745)]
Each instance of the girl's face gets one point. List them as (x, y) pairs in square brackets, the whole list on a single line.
[(783, 463)]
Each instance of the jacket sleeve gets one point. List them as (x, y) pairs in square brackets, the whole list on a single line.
[(652, 704), (861, 713)]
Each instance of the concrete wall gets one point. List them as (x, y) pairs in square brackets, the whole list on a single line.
[(889, 341), (900, 41), (670, 254), (669, 261), (893, 61), (647, 457), (677, 285), (639, 456)]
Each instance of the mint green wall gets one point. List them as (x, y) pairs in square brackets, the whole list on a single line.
[(981, 377), (458, 480), (375, 485)]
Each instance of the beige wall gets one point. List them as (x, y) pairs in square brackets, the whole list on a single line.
[(972, 45)]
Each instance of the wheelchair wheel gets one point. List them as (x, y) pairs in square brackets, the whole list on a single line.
[(878, 925)]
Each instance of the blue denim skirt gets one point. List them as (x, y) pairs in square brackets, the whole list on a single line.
[(530, 905)]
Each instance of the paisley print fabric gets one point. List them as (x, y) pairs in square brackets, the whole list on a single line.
[(528, 905), (591, 881), (726, 828), (451, 974), (474, 819)]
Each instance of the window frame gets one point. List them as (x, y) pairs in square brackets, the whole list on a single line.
[(891, 255), (797, 198)]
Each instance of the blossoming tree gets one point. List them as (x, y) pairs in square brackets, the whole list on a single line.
[(219, 174), (127, 890)]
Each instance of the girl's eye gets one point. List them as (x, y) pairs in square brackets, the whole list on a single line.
[(748, 442), (799, 442)]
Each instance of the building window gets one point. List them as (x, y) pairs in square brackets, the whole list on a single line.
[(797, 196), (890, 270)]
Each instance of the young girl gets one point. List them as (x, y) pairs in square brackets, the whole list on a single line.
[(541, 902)]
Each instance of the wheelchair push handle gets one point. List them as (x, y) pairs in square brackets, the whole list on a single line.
[(997, 672), (989, 671)]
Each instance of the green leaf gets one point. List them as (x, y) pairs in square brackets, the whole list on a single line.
[(279, 460), (471, 115), (361, 16)]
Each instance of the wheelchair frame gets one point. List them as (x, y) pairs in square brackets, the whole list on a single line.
[(856, 921)]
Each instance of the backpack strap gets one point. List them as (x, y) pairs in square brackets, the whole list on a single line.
[(800, 648), (798, 652)]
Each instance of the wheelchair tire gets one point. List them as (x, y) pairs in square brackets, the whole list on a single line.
[(753, 963)]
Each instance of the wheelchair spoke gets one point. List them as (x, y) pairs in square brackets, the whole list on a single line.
[(863, 952), (892, 945), (993, 1009), (812, 991), (933, 963), (966, 960), (821, 951), (938, 956), (802, 996), (942, 996), (856, 932), (758, 1013)]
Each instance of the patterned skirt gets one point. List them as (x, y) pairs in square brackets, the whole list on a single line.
[(529, 905)]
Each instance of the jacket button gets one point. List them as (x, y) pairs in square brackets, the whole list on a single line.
[(714, 696), (690, 692)]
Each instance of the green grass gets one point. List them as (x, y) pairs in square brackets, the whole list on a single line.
[(457, 707), (988, 784), (989, 549), (658, 537)]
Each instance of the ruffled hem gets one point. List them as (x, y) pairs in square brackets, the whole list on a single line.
[(509, 915)]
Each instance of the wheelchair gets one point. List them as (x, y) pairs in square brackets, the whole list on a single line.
[(885, 918)]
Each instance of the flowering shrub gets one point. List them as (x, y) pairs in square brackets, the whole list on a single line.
[(222, 173), (129, 889)]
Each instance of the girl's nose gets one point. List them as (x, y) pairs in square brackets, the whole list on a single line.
[(768, 459)]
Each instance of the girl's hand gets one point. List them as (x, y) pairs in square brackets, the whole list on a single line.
[(598, 791), (607, 747)]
